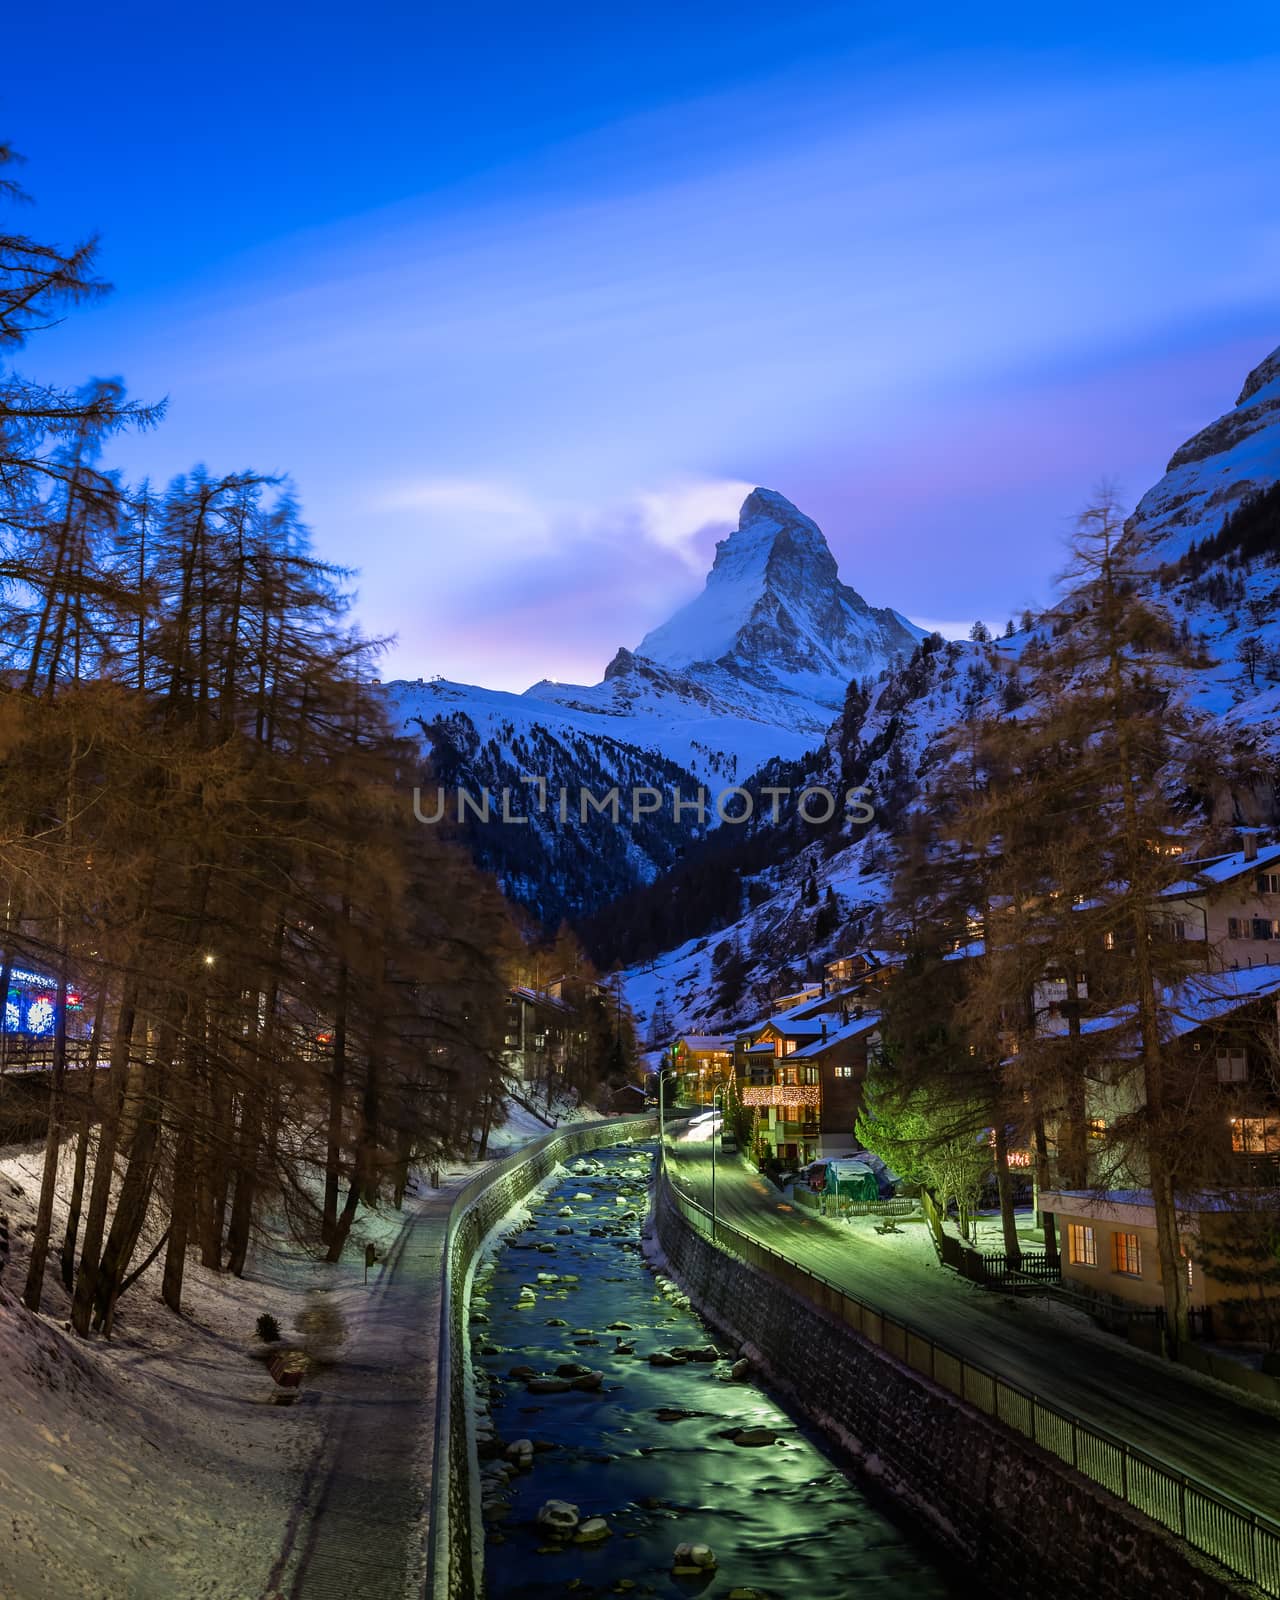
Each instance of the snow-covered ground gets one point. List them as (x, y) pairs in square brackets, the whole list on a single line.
[(522, 1125), (157, 1465)]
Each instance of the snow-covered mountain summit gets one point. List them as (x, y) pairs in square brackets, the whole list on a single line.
[(755, 668), (774, 605)]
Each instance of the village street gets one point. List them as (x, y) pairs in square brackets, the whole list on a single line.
[(1190, 1423)]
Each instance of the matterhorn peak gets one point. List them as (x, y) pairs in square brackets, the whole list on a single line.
[(775, 609)]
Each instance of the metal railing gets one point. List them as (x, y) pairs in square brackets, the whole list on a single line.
[(1244, 1541), (454, 1533)]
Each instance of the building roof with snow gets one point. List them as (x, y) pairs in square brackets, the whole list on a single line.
[(1203, 998), (1211, 871), (850, 1030), (697, 1043)]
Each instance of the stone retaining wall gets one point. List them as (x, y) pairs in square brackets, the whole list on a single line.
[(1023, 1521), (456, 1536)]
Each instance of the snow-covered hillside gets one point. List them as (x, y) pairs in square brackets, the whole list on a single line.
[(1217, 468), (891, 736)]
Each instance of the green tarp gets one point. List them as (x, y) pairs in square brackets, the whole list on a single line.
[(852, 1180)]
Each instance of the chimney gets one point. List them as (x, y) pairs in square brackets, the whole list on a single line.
[(824, 1027), (1250, 846)]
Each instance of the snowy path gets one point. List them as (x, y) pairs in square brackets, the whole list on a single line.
[(1192, 1424), (360, 1522)]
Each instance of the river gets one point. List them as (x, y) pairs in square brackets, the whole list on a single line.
[(651, 1450)]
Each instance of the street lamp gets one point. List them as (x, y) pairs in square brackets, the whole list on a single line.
[(662, 1127), (715, 1096)]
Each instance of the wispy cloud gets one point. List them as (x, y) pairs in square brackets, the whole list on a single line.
[(526, 404)]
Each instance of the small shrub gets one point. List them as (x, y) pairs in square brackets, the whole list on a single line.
[(268, 1329)]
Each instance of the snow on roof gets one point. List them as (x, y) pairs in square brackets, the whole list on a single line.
[(850, 1030), (1203, 998), (813, 1008), (1120, 1204), (537, 997), (707, 1041), (1212, 870), (792, 1027)]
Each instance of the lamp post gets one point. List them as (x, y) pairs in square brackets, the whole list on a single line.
[(715, 1096), (662, 1130)]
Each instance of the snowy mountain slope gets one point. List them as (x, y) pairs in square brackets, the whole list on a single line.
[(891, 734), (1213, 471)]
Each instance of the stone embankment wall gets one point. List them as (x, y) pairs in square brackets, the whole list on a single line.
[(1022, 1520), (455, 1531)]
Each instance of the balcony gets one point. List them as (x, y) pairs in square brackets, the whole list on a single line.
[(783, 1094)]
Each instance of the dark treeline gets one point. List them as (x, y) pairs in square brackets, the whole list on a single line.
[(1249, 533), (288, 987)]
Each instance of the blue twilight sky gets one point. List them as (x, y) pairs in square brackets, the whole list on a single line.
[(526, 298)]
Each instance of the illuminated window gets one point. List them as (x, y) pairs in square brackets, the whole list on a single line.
[(1255, 1135), (1126, 1254), (1108, 940), (1097, 1127), (844, 1072), (1082, 1246), (1233, 1067), (1269, 883)]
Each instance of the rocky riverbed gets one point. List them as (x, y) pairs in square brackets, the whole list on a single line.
[(624, 1451)]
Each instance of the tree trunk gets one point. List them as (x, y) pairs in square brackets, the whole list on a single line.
[(182, 1208), (104, 1162), (76, 1203), (53, 1141), (135, 1190), (1043, 1181), (337, 1091), (1004, 1186)]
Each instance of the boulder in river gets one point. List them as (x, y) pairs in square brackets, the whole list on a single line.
[(548, 1385), (558, 1516), (754, 1438), (591, 1531), (697, 1352)]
